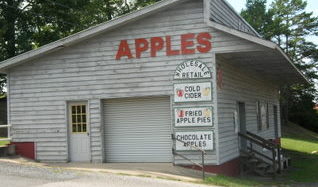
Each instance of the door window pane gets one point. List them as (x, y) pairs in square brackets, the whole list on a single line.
[(78, 119)]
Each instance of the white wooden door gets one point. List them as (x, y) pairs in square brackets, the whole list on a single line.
[(79, 132)]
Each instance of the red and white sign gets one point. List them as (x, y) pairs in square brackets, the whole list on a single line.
[(192, 69), (193, 117), (200, 139), (189, 43), (192, 92)]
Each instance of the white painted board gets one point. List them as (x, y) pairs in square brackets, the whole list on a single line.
[(192, 69), (193, 117), (201, 139), (192, 92)]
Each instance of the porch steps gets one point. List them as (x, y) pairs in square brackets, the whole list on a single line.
[(250, 164)]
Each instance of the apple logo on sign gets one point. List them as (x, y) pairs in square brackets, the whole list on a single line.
[(180, 93), (180, 113)]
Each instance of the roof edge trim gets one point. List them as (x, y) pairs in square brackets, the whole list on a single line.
[(242, 19)]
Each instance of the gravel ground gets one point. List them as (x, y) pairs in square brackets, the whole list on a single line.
[(20, 175)]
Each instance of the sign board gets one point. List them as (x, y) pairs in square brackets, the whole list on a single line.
[(188, 92), (200, 139), (193, 117), (192, 69)]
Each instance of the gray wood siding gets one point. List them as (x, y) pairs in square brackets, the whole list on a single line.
[(96, 130), (88, 71), (222, 13), (244, 87)]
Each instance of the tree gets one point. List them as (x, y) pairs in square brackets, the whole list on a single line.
[(289, 28), (142, 3), (258, 17)]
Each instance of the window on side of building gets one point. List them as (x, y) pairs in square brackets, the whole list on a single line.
[(262, 115)]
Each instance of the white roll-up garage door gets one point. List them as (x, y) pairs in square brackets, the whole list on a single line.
[(138, 130)]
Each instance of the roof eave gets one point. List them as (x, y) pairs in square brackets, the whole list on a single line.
[(259, 41)]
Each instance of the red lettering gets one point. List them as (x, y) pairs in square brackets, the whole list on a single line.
[(189, 44), (141, 45), (123, 50), (157, 44), (169, 51), (204, 40), (186, 42)]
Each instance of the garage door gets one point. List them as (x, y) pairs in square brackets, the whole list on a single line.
[(138, 130)]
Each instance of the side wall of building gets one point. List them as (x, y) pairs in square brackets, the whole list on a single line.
[(240, 86)]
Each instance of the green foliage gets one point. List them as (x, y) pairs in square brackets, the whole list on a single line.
[(258, 17), (142, 3), (301, 106)]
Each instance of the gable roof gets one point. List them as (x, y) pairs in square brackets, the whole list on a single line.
[(122, 20), (87, 33)]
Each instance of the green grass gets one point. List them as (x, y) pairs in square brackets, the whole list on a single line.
[(302, 147), (2, 143), (232, 181)]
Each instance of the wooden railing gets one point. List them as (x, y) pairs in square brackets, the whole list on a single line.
[(275, 149), (202, 165)]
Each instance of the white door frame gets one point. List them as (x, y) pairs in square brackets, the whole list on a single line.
[(69, 130)]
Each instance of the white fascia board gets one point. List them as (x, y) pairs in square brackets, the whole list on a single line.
[(256, 40), (243, 35), (88, 33), (242, 19), (292, 64)]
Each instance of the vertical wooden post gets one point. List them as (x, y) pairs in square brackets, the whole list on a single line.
[(203, 168), (274, 162), (279, 159)]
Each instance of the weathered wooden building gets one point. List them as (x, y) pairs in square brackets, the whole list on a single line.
[(117, 91)]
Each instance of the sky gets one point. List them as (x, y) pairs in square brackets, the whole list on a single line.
[(312, 6)]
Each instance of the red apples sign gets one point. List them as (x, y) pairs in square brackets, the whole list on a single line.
[(189, 43)]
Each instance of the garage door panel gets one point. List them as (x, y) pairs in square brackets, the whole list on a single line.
[(138, 130)]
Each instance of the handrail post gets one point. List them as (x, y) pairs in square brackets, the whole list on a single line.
[(194, 147), (279, 159), (203, 168), (274, 162)]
